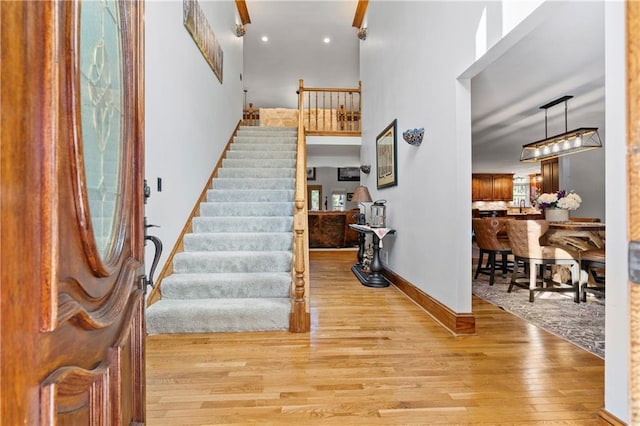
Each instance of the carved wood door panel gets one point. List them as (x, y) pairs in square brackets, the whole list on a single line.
[(72, 236)]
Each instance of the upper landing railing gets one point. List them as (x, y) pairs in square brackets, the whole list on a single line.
[(331, 111), (323, 112)]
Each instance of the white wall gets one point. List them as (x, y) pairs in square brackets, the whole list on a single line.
[(327, 177), (617, 301), (584, 173), (410, 63), (190, 115)]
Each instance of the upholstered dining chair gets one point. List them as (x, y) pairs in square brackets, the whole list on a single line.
[(524, 238), (590, 261), (487, 232)]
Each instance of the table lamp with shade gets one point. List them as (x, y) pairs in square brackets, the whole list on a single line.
[(361, 196)]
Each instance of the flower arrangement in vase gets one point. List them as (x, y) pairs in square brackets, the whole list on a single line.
[(556, 205)]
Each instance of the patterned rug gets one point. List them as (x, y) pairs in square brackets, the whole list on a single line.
[(581, 324)]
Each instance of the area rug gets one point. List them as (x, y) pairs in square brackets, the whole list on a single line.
[(581, 324)]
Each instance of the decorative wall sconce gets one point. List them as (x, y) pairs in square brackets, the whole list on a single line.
[(365, 168), (241, 30), (362, 33), (578, 140), (413, 136)]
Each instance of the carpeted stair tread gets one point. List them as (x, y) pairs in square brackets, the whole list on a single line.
[(267, 131), (242, 224), (169, 316), (249, 195), (287, 147), (221, 285), (234, 261), (234, 273), (272, 173), (244, 241), (246, 209), (262, 155), (258, 162), (253, 183), (275, 140)]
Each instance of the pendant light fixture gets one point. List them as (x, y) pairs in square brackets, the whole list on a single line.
[(569, 142)]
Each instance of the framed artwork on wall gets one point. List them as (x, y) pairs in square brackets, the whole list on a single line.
[(386, 157), (348, 174), (311, 173), (197, 25)]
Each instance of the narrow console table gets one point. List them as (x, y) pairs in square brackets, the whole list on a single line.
[(373, 278)]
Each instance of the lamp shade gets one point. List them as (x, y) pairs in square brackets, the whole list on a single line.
[(361, 195)]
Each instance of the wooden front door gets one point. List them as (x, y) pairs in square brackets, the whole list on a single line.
[(71, 217)]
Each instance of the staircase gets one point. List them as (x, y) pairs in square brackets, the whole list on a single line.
[(235, 271)]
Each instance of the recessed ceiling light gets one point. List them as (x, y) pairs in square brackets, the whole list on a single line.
[(327, 40), (265, 39)]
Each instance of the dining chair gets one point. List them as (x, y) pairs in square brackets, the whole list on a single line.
[(592, 261), (524, 238), (487, 232)]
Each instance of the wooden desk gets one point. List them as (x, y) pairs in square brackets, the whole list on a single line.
[(328, 229), (373, 278)]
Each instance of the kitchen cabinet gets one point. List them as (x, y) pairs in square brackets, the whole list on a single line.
[(492, 187), (550, 175)]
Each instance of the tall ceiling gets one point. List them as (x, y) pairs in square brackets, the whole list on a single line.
[(296, 50), (563, 55)]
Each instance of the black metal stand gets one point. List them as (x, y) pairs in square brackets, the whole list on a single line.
[(373, 278)]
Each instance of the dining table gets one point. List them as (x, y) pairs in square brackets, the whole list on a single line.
[(577, 237)]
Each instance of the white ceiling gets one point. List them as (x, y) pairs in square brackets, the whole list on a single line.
[(563, 55), (296, 50)]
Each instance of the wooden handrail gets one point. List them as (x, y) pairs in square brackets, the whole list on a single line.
[(300, 316)]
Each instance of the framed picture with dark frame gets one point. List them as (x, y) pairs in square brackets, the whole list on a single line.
[(311, 173), (386, 157), (348, 174)]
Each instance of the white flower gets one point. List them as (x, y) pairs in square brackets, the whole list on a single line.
[(570, 202), (547, 198), (559, 200)]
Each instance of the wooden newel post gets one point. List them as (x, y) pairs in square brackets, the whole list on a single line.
[(299, 322)]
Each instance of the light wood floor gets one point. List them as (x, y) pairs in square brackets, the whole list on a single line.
[(373, 357)]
